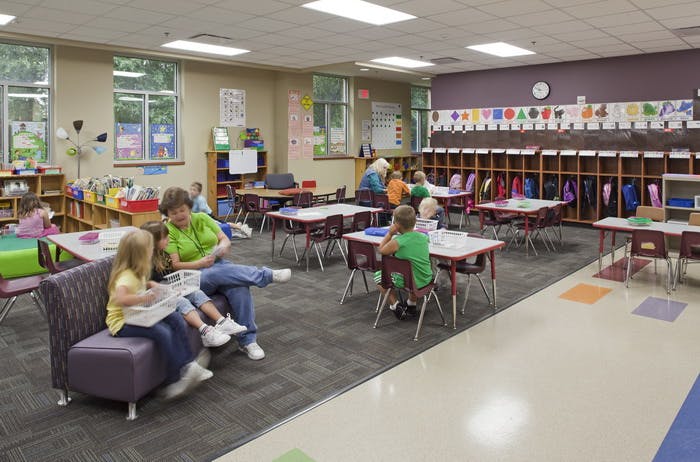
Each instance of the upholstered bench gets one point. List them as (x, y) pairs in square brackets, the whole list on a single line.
[(84, 356)]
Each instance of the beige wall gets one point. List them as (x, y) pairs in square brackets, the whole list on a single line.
[(83, 90)]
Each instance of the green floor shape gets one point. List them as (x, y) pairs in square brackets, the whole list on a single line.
[(295, 455)]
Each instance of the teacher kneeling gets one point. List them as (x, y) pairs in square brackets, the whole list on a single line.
[(197, 242)]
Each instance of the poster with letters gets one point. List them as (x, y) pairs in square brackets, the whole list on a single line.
[(387, 125)]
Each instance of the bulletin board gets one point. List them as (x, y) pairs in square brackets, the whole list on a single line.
[(242, 161), (387, 127)]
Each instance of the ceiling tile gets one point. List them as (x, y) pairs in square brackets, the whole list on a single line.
[(648, 36), (415, 26), (515, 7), (647, 44), (655, 3), (545, 17), (582, 35), (171, 6), (615, 20), (83, 6), (306, 32), (126, 13), (635, 28), (565, 3), (14, 8), (598, 42), (674, 11), (302, 16), (115, 24), (489, 27), (35, 26), (257, 7), (660, 49), (566, 26), (268, 25), (341, 25), (461, 17), (375, 33), (51, 14), (406, 39), (592, 10), (219, 15), (423, 8), (686, 21)]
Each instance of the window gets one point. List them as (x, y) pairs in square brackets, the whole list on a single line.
[(25, 92), (420, 105), (145, 110), (330, 115)]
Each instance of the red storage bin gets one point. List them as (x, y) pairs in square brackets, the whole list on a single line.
[(148, 205)]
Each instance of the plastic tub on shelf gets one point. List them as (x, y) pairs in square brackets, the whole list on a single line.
[(112, 202), (148, 205), (90, 196), (78, 193)]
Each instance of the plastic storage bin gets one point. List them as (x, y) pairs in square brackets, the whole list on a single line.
[(112, 202), (679, 202), (90, 196), (183, 282), (148, 205), (222, 207), (147, 315), (78, 193)]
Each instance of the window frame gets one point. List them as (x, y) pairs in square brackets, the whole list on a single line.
[(5, 135), (422, 114), (328, 104), (145, 115)]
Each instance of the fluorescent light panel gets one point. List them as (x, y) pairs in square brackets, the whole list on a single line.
[(128, 74), (5, 19), (359, 10), (402, 62), (501, 49), (205, 48)]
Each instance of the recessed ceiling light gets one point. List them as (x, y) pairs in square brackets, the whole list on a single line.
[(205, 48), (5, 19), (501, 49), (359, 10), (128, 74), (402, 62)]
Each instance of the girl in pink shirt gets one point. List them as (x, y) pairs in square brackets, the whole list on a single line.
[(33, 219)]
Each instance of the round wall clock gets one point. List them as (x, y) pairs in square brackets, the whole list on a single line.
[(540, 90)]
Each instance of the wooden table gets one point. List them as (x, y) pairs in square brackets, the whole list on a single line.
[(70, 242), (314, 215), (472, 246), (516, 206), (274, 194), (614, 224)]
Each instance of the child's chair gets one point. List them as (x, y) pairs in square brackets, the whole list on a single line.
[(393, 265), (10, 289), (361, 257)]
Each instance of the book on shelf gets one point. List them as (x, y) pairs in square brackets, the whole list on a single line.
[(220, 139)]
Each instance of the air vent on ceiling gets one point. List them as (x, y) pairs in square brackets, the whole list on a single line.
[(687, 31), (446, 60)]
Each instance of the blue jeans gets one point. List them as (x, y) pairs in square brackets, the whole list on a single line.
[(234, 281), (188, 303), (171, 339)]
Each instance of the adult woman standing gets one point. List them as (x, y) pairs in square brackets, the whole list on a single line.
[(197, 242), (374, 176)]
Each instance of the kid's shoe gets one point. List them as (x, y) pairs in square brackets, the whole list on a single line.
[(253, 351), (229, 327), (399, 311), (282, 275), (212, 337)]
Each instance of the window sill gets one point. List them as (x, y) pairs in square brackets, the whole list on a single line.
[(146, 164)]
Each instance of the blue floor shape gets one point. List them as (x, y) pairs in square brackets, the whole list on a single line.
[(682, 442)]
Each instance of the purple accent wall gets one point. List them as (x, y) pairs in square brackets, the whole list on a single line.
[(656, 76)]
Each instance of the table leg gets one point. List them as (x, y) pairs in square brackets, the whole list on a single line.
[(612, 247), (307, 226), (453, 279), (527, 238), (601, 248), (274, 227), (492, 255)]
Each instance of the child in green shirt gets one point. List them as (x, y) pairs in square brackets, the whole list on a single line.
[(408, 245)]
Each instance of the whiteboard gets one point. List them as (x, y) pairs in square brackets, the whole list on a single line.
[(242, 161)]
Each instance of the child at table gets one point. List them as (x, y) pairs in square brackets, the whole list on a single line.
[(408, 245), (419, 189), (429, 209), (34, 220), (212, 336), (199, 204), (127, 287), (396, 189)]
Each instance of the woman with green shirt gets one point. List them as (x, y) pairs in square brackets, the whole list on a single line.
[(197, 242)]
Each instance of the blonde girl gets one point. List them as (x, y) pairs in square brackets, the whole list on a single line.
[(212, 336), (127, 287), (34, 221)]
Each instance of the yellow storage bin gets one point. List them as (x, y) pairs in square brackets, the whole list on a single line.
[(111, 202), (89, 196)]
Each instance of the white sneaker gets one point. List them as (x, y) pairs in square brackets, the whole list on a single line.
[(189, 379), (282, 275), (203, 357), (253, 351), (246, 230), (213, 337), (199, 372), (229, 326)]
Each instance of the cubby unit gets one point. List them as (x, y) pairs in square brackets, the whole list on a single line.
[(681, 194), (48, 187), (218, 175), (82, 216)]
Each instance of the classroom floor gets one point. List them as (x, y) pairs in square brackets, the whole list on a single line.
[(584, 370)]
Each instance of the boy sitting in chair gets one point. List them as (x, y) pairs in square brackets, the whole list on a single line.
[(409, 245)]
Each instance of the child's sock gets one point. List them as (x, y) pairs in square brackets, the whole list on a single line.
[(393, 306), (204, 328), (410, 302)]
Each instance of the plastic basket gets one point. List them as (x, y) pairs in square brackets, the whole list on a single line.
[(109, 240), (147, 315), (445, 238), (426, 225), (148, 205), (90, 196), (183, 282), (112, 202)]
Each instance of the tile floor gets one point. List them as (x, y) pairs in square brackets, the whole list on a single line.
[(549, 379)]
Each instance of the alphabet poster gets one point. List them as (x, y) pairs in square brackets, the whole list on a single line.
[(231, 107), (387, 128)]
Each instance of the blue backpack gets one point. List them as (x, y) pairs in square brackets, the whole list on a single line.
[(531, 188), (629, 194)]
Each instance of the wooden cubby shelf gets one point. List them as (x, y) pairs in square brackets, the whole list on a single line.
[(38, 184), (218, 177), (84, 216), (408, 165)]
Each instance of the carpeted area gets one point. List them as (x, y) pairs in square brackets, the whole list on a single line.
[(315, 348)]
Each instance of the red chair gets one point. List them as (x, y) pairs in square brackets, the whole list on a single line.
[(533, 228), (381, 201), (650, 244), (340, 194), (292, 229), (231, 203), (469, 268), (332, 232), (303, 200), (46, 261), (252, 203), (463, 208), (364, 197), (554, 220), (415, 202), (10, 289), (308, 183), (689, 250), (361, 257), (393, 265)]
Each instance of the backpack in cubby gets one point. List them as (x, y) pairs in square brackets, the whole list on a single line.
[(532, 190)]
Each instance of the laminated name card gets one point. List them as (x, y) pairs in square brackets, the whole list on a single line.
[(427, 150), (497, 151), (692, 124), (586, 153), (512, 151), (579, 126), (481, 128), (552, 127), (549, 152), (629, 153), (567, 152), (656, 125), (641, 125), (492, 127), (539, 126), (624, 125), (527, 152), (482, 151), (453, 151), (593, 126), (675, 124), (528, 126), (608, 125), (467, 150), (679, 155), (653, 154), (440, 150), (504, 127), (607, 153)]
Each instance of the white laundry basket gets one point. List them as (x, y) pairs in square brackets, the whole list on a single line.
[(147, 315), (183, 282)]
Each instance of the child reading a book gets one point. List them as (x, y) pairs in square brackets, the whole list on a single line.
[(396, 189), (127, 287), (410, 245), (34, 220)]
